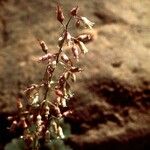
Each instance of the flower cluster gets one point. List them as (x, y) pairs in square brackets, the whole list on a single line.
[(40, 114)]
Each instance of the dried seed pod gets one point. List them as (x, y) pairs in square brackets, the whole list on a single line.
[(47, 108), (59, 14), (47, 114), (50, 69), (43, 46), (75, 52), (82, 47)]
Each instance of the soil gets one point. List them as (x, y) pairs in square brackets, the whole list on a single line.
[(111, 107)]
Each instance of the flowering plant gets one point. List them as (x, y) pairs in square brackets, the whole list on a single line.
[(40, 115)]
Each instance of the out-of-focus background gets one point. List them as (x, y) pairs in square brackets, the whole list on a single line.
[(112, 95)]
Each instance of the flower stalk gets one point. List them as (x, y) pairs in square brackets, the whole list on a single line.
[(40, 118)]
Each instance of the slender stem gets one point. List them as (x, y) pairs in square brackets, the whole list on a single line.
[(46, 91), (60, 50), (57, 59), (68, 22)]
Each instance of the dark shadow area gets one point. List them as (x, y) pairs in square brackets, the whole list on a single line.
[(117, 93), (138, 143)]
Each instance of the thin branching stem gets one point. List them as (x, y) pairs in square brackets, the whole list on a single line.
[(57, 59)]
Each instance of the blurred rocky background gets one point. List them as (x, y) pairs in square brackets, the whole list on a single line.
[(111, 107)]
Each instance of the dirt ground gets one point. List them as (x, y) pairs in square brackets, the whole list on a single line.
[(111, 107)]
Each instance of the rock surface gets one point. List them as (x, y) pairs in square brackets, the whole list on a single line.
[(112, 108)]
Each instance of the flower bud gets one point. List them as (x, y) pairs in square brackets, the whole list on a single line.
[(60, 41), (47, 111), (77, 23), (45, 57), (43, 46), (9, 118), (66, 75), (59, 14), (68, 38), (59, 93), (54, 126), (66, 113), (82, 47), (75, 52), (65, 58), (39, 120), (31, 118), (58, 100), (47, 136), (84, 38), (60, 133), (73, 77), (19, 104), (40, 128), (75, 69), (53, 64), (13, 125), (38, 117), (58, 112), (35, 100), (63, 102), (31, 88), (22, 123), (74, 11)]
